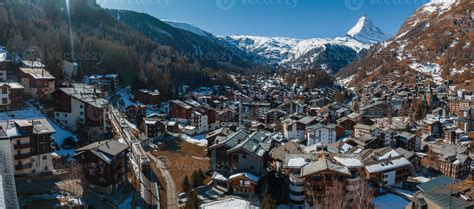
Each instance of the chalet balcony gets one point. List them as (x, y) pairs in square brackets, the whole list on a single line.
[(297, 197), (22, 156), (23, 166), (351, 180), (296, 178), (297, 188), (352, 187), (21, 146)]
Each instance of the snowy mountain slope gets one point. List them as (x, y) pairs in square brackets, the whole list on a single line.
[(435, 41), (188, 27), (327, 54)]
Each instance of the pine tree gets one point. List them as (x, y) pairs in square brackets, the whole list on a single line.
[(201, 176), (268, 201), (193, 201), (194, 179), (197, 179), (186, 186)]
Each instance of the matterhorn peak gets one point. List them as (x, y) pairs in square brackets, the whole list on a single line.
[(365, 31)]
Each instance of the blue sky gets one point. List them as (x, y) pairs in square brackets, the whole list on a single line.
[(286, 18)]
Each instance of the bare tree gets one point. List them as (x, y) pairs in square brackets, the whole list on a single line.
[(362, 196), (74, 181), (334, 195)]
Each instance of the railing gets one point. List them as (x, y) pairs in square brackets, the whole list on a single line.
[(296, 188), (23, 166), (296, 178), (297, 197), (22, 156), (21, 146)]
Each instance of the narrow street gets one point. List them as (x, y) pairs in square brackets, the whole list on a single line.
[(170, 185)]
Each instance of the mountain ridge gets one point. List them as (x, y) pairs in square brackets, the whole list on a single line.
[(294, 53), (436, 41)]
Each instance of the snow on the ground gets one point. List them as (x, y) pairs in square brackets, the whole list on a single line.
[(125, 99), (440, 6), (405, 192), (389, 201), (345, 82), (127, 203), (422, 179), (65, 199), (432, 69), (31, 113), (199, 140)]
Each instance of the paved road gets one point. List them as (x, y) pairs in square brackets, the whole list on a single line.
[(170, 185)]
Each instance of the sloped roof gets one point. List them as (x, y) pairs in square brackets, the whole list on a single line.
[(436, 182), (256, 143), (105, 150), (278, 153), (323, 164), (246, 175), (40, 126)]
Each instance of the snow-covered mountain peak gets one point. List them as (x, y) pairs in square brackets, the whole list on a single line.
[(365, 31)]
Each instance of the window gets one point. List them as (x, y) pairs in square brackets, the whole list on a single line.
[(45, 168), (65, 115), (65, 121), (81, 113), (244, 156), (4, 90), (45, 157), (4, 101), (57, 114)]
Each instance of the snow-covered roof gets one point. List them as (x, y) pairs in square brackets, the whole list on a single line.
[(12, 85), (297, 162), (385, 166), (37, 73), (349, 162), (231, 203), (246, 175), (218, 176)]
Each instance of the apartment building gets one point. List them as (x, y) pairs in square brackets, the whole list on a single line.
[(106, 83), (294, 127), (385, 166), (449, 159), (11, 96), (374, 110), (321, 134), (180, 111), (79, 105), (104, 164), (31, 145), (38, 82)]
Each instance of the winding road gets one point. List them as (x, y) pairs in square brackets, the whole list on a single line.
[(170, 185)]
